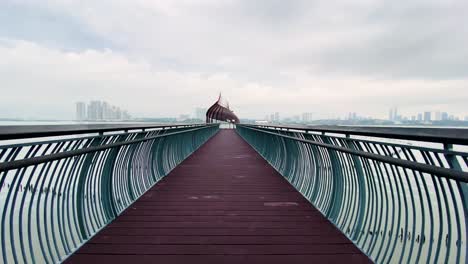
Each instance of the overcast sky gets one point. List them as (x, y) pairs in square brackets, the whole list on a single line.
[(164, 58)]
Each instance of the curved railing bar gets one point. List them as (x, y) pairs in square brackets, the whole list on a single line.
[(47, 140), (399, 203), (34, 131), (439, 171), (17, 164), (402, 145), (57, 192), (438, 135)]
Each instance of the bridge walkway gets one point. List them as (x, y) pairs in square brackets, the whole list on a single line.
[(223, 204)]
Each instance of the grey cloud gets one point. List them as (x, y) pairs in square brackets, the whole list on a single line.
[(31, 21), (265, 55), (420, 41)]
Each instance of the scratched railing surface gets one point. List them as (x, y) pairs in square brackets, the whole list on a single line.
[(55, 194), (400, 202)]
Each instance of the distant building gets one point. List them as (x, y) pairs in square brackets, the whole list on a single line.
[(444, 116), (116, 113), (420, 117), (353, 116), (94, 111), (466, 118), (427, 116), (438, 116), (106, 111), (80, 111), (100, 111), (271, 118), (393, 114), (306, 117)]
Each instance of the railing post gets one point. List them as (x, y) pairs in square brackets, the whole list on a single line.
[(454, 164)]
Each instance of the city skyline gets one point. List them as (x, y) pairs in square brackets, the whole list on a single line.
[(82, 110), (97, 110), (394, 116)]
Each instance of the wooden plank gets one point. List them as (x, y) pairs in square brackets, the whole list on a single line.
[(223, 204), (224, 259), (217, 240), (224, 249), (318, 231)]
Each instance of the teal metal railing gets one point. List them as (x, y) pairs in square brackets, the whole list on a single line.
[(399, 201), (55, 194)]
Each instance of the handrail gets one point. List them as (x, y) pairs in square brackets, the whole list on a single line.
[(399, 203), (55, 194), (438, 171), (439, 135), (16, 164), (33, 131)]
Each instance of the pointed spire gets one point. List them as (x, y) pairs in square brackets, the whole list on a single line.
[(220, 112)]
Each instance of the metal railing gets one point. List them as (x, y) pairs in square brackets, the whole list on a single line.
[(400, 194), (56, 193)]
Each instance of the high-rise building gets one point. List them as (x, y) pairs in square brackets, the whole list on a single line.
[(80, 111), (272, 118), (277, 117), (106, 111), (393, 114), (438, 116), (93, 110), (427, 116), (96, 110), (99, 111), (444, 116), (306, 117), (420, 117), (352, 116)]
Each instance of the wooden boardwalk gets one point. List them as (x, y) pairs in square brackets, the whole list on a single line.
[(223, 204)]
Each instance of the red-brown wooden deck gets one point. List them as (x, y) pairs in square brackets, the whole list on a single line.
[(223, 204)]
